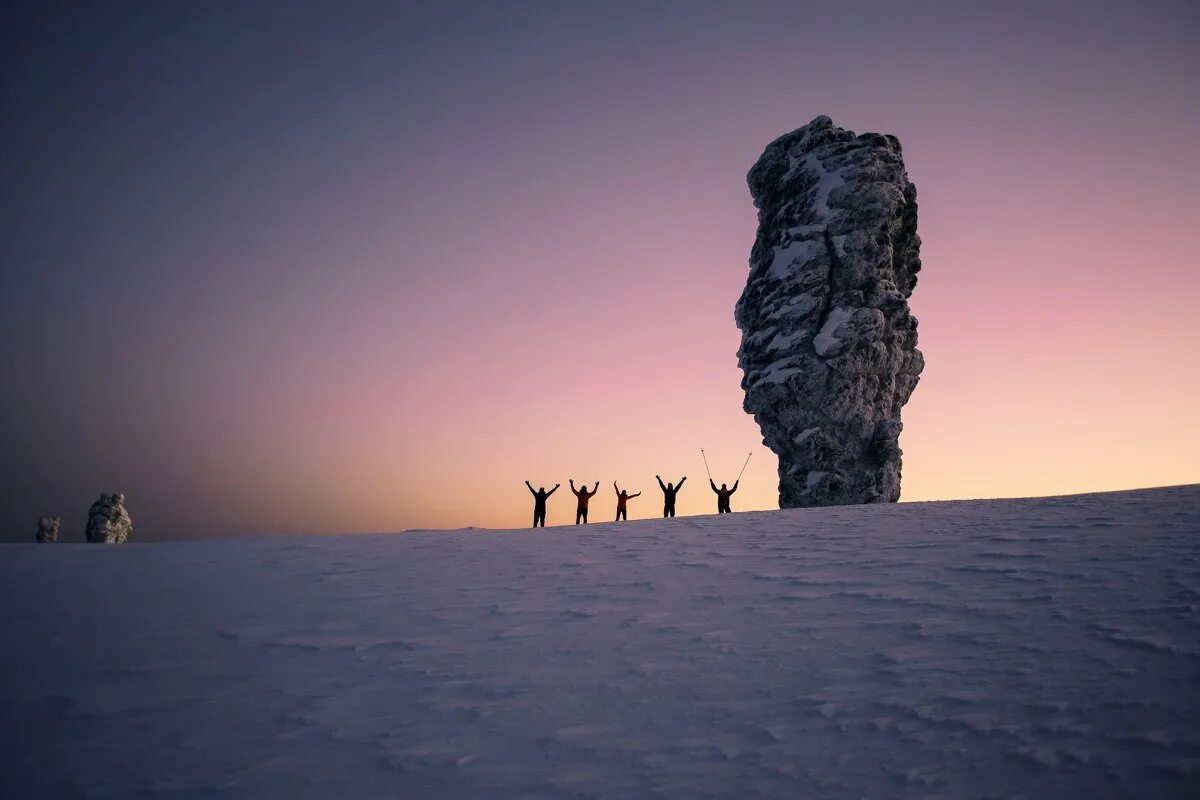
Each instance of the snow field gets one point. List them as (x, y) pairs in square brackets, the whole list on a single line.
[(1016, 648)]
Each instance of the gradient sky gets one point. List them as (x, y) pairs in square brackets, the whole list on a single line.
[(288, 267)]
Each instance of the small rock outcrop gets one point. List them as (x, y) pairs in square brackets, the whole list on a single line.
[(108, 521), (829, 347), (47, 530)]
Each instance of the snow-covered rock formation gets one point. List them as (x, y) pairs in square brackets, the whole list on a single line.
[(108, 521), (47, 529), (829, 347)]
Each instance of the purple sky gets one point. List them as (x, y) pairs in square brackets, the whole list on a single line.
[(341, 267)]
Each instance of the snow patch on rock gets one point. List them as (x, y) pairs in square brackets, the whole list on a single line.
[(826, 338)]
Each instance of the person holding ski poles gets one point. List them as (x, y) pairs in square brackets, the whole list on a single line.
[(724, 492), (539, 503), (584, 495), (723, 496), (622, 498), (669, 491)]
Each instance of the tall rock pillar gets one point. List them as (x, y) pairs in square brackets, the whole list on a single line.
[(829, 346)]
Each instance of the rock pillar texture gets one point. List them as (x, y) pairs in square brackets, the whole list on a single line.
[(108, 521), (829, 346), (47, 530)]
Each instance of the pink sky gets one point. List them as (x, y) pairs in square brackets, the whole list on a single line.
[(589, 335), (378, 291)]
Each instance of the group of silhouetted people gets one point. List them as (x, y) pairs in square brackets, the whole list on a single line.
[(540, 496)]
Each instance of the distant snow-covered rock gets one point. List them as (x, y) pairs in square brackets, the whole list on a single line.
[(108, 521), (829, 346), (47, 529)]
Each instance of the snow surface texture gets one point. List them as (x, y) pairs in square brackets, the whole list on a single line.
[(1017, 648), (829, 348), (108, 521)]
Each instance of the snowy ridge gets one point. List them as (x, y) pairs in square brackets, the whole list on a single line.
[(1016, 648)]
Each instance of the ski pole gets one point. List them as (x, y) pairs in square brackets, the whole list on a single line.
[(706, 464), (739, 477)]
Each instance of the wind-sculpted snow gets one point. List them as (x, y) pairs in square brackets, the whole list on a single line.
[(1019, 648), (829, 348)]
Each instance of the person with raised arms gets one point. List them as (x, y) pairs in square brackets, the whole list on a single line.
[(622, 498), (723, 496), (584, 495), (539, 503), (669, 491)]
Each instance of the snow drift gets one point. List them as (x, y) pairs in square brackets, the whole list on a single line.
[(1036, 648)]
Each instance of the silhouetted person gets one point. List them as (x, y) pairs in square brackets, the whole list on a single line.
[(669, 491), (723, 496), (539, 503), (584, 495), (622, 497)]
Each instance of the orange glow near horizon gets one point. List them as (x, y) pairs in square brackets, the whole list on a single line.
[(1044, 376), (326, 272)]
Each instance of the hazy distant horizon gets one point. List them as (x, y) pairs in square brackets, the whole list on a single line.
[(311, 268), (563, 517)]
